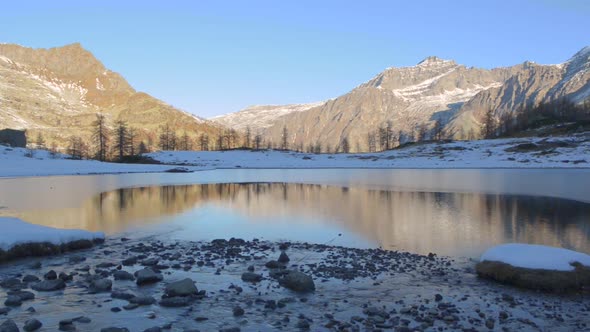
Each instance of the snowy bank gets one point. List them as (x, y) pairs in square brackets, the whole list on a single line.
[(19, 239), (533, 152), (533, 256), (536, 267)]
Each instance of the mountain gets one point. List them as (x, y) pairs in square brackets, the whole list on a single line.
[(417, 96), (59, 91), (260, 116)]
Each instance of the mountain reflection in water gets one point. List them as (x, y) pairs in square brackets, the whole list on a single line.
[(446, 223)]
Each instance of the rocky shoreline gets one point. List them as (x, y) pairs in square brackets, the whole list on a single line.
[(233, 285)]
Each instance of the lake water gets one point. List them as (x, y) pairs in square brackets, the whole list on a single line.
[(449, 212)]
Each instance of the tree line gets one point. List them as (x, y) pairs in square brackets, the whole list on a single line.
[(121, 141)]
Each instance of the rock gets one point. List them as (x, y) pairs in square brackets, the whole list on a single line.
[(13, 301), (114, 329), (303, 324), (177, 301), (67, 325), (251, 277), (238, 311), (298, 282), (82, 319), (4, 311), (438, 297), (116, 309), (9, 326), (51, 275), (122, 295), (142, 300), (105, 265), (185, 287), (130, 261), (12, 283), (65, 277), (123, 275), (153, 329), (130, 306), (49, 285), (490, 323), (100, 285), (150, 262), (272, 265), (283, 258), (30, 278), (230, 329), (32, 325), (147, 276)]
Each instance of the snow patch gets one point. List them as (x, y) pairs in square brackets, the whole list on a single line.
[(534, 256), (16, 231)]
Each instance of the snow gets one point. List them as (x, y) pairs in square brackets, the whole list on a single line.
[(15, 163), (534, 256), (16, 231), (458, 154)]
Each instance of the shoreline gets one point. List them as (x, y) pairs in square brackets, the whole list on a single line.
[(355, 289)]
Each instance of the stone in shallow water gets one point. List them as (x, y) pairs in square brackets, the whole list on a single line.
[(123, 275), (100, 285), (9, 326), (49, 285), (283, 258), (297, 281), (251, 277), (177, 301), (13, 301), (147, 276), (114, 329), (185, 287), (142, 300), (32, 325)]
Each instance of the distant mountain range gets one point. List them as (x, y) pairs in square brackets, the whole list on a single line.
[(411, 97), (58, 91)]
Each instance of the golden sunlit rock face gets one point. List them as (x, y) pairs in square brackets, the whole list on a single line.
[(423, 222), (59, 91)]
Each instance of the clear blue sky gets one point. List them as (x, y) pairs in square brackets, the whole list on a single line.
[(214, 57)]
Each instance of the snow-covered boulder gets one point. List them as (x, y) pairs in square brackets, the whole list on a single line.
[(536, 267), (19, 238)]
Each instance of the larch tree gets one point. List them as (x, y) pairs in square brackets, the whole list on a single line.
[(100, 137)]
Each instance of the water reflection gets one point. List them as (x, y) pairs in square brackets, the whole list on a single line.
[(447, 223)]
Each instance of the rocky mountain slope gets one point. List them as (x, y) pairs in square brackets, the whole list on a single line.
[(434, 89), (59, 91), (259, 117)]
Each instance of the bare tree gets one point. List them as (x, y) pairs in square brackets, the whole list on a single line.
[(437, 130), (122, 141), (100, 136), (345, 145), (185, 142), (204, 142), (371, 141), (257, 141), (285, 139), (488, 128), (247, 138), (40, 143), (142, 148)]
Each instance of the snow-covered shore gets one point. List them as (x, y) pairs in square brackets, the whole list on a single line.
[(18, 232), (559, 152)]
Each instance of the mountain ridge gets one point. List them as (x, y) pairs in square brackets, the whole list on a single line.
[(57, 92)]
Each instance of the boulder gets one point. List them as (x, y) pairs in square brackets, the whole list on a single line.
[(185, 287), (100, 285), (49, 285), (297, 281), (251, 277), (147, 276)]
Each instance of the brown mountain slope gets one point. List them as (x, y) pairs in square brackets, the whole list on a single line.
[(58, 91), (414, 97)]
